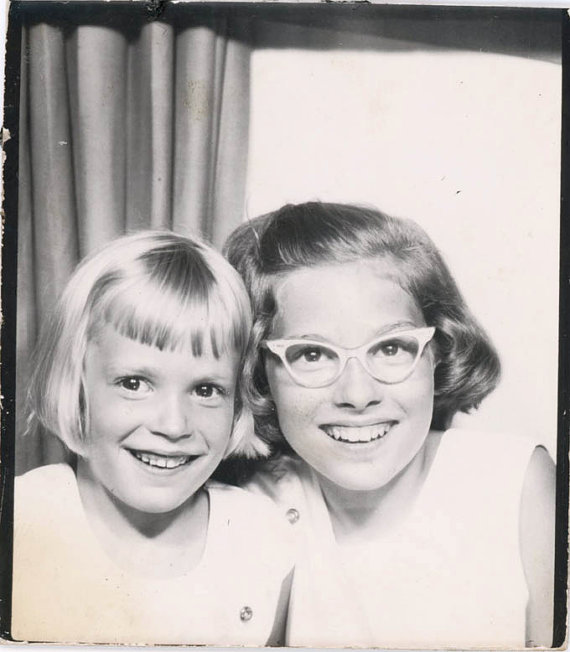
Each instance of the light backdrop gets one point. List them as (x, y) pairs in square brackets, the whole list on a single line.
[(464, 140)]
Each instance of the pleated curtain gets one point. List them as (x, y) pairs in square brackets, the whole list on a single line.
[(124, 125)]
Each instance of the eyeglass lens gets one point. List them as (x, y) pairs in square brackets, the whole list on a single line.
[(387, 359)]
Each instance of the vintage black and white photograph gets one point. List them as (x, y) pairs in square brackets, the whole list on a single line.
[(281, 326)]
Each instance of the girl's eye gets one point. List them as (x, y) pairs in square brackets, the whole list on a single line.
[(312, 355), (134, 385), (390, 349), (208, 390), (400, 350), (302, 353)]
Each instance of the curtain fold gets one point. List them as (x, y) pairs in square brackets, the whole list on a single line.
[(151, 129), (124, 125)]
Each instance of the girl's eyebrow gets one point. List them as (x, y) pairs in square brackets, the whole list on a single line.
[(397, 325), (127, 369), (217, 378), (306, 336), (383, 330), (153, 373)]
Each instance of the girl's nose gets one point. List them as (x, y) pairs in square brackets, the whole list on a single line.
[(356, 388), (172, 419)]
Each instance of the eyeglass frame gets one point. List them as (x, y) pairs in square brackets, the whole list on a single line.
[(278, 347)]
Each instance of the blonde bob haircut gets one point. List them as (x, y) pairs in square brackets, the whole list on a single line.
[(156, 288)]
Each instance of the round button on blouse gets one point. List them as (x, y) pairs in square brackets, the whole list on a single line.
[(292, 515), (245, 614)]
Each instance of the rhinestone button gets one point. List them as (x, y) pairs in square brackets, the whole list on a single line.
[(292, 515), (245, 614)]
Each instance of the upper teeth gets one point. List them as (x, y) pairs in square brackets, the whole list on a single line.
[(161, 461), (361, 434)]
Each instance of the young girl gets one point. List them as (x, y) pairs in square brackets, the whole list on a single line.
[(137, 374), (412, 534)]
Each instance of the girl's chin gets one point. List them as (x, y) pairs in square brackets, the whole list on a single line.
[(369, 480), (373, 470), (167, 503)]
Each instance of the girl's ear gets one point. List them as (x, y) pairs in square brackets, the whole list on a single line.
[(433, 348), (243, 440)]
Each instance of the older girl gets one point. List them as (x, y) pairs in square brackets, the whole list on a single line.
[(137, 374), (413, 534)]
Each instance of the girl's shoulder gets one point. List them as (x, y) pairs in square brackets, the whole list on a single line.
[(292, 486), (251, 513), (53, 484), (47, 509), (50, 473), (251, 524), (484, 467), (490, 448), (242, 503)]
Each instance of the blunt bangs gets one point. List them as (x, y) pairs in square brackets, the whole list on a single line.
[(174, 318), (171, 297)]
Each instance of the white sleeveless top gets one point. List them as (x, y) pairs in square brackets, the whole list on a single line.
[(67, 590), (449, 576)]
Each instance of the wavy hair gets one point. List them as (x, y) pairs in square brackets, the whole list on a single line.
[(314, 233), (156, 288)]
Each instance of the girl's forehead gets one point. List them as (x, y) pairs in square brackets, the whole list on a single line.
[(334, 300), (312, 279), (110, 347)]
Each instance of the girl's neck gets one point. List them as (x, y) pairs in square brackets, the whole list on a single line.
[(365, 516), (161, 545)]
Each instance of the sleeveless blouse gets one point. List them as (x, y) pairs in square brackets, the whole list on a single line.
[(67, 590), (450, 575)]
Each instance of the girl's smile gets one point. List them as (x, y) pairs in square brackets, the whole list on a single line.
[(357, 432), (159, 421)]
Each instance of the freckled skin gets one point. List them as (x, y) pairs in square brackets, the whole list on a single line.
[(347, 305)]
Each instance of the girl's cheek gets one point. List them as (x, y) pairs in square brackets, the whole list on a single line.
[(299, 406)]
